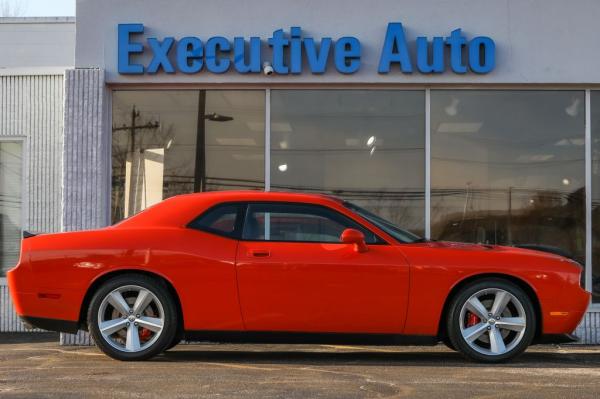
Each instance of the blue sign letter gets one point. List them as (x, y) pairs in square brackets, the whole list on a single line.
[(161, 55), (456, 41), (485, 47), (317, 59), (347, 55), (278, 42), (394, 50), (437, 56), (189, 55), (239, 55), (214, 63), (295, 49), (125, 48)]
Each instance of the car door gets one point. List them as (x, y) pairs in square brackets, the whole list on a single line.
[(295, 275)]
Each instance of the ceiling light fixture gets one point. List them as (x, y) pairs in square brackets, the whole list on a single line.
[(573, 108), (452, 109)]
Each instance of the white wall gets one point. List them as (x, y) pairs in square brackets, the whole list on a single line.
[(37, 42), (537, 41)]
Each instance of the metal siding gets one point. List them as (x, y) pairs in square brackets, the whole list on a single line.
[(85, 173), (85, 162), (31, 107)]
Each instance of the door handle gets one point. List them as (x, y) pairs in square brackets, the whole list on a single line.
[(260, 253)]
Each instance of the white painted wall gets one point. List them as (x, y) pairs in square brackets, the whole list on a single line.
[(37, 42), (537, 41)]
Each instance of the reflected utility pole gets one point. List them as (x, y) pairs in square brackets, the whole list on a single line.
[(509, 222)]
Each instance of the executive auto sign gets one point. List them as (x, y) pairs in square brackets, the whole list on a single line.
[(291, 51)]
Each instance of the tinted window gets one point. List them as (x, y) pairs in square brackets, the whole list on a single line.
[(385, 225), (301, 223), (220, 220)]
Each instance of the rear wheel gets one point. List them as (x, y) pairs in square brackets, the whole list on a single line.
[(491, 320), (132, 317)]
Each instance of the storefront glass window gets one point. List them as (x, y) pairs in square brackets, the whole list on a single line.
[(11, 178), (171, 142), (366, 146), (508, 167), (595, 115)]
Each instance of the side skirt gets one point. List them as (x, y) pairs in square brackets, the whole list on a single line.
[(283, 337)]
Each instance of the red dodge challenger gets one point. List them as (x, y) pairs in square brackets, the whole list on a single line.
[(290, 268)]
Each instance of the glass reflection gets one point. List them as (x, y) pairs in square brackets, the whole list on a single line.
[(173, 142), (366, 146), (507, 167)]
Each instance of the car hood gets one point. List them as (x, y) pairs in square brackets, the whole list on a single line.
[(525, 249)]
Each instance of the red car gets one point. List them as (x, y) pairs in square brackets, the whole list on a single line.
[(290, 268)]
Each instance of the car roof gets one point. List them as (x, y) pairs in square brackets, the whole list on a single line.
[(181, 209), (255, 195)]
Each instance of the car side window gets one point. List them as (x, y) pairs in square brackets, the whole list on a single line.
[(298, 223), (220, 220)]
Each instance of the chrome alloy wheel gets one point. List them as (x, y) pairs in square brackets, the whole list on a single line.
[(492, 321), (131, 318)]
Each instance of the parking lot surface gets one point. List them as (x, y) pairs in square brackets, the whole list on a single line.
[(45, 369)]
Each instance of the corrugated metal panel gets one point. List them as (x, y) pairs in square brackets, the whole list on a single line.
[(32, 107), (589, 329), (81, 338), (86, 148), (9, 321)]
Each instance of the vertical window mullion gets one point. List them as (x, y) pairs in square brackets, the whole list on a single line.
[(268, 140), (428, 163), (588, 192)]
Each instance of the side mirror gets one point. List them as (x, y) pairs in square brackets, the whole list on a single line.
[(353, 236)]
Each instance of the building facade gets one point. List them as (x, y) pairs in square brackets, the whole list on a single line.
[(467, 120), (34, 54)]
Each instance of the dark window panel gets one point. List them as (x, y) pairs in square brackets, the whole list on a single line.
[(365, 146), (169, 142), (507, 167)]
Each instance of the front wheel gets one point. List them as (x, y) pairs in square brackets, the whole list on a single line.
[(132, 317), (491, 321)]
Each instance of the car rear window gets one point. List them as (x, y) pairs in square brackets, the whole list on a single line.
[(220, 220)]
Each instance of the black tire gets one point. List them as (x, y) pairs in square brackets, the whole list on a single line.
[(454, 321), (170, 323), (176, 340), (446, 341)]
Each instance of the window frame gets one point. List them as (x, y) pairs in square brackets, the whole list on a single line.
[(24, 141)]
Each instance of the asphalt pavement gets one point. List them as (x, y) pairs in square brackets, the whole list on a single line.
[(44, 369)]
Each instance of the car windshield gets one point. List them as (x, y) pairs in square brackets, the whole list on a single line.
[(385, 225)]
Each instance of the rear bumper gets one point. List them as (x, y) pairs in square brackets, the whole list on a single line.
[(33, 301), (57, 325)]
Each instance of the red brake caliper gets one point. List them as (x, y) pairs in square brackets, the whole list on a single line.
[(472, 319), (145, 334)]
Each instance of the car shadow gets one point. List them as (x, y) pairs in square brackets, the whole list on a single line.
[(414, 358), (28, 337)]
